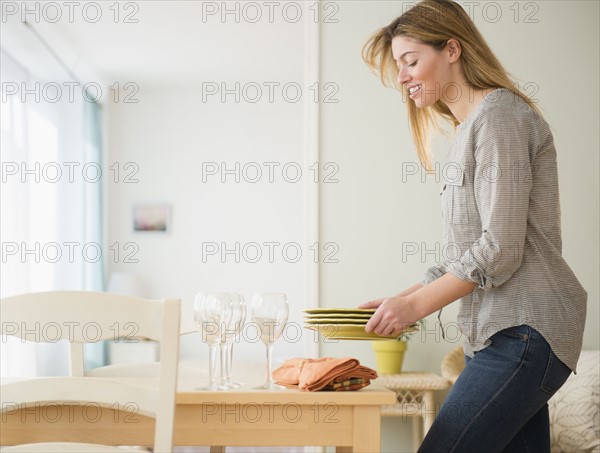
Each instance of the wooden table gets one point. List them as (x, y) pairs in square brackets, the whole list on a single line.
[(349, 421)]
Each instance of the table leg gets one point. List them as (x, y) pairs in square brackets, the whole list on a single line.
[(428, 411), (217, 449), (343, 449), (417, 432), (367, 429)]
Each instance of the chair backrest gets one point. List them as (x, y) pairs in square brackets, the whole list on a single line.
[(132, 369), (87, 317)]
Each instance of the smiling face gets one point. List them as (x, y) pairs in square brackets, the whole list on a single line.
[(425, 72)]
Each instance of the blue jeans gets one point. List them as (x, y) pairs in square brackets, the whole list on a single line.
[(499, 402)]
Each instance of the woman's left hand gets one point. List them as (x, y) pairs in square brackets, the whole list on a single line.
[(393, 315)]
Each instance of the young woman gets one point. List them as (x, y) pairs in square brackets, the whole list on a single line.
[(522, 310)]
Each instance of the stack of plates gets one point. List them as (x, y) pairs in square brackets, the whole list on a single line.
[(344, 323)]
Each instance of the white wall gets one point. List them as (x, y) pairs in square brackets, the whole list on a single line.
[(177, 130), (170, 135), (371, 213)]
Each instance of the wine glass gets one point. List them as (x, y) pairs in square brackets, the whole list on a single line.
[(236, 319), (270, 313), (211, 312)]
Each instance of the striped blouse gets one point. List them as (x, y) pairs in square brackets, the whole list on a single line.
[(501, 217)]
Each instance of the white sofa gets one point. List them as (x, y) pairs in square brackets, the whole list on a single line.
[(575, 409)]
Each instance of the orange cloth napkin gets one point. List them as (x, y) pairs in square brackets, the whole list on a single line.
[(316, 374)]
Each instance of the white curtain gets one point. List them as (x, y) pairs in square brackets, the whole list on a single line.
[(51, 207)]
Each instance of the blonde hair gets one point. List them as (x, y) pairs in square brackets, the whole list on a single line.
[(434, 22)]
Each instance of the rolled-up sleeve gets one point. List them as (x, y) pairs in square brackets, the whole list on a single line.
[(502, 181), (434, 272)]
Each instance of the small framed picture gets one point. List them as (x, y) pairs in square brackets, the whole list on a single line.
[(152, 217)]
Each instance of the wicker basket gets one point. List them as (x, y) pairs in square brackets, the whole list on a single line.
[(453, 364)]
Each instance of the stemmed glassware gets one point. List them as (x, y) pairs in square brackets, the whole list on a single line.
[(212, 313), (270, 313), (237, 307)]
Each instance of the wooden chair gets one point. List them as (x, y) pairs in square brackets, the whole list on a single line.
[(84, 317), (187, 326)]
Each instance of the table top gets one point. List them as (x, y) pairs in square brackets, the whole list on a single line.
[(368, 396), (188, 394)]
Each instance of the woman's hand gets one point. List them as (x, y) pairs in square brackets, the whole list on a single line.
[(371, 325), (393, 315)]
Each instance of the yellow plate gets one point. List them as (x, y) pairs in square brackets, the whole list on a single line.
[(336, 316), (337, 321), (352, 332), (322, 310), (339, 311)]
